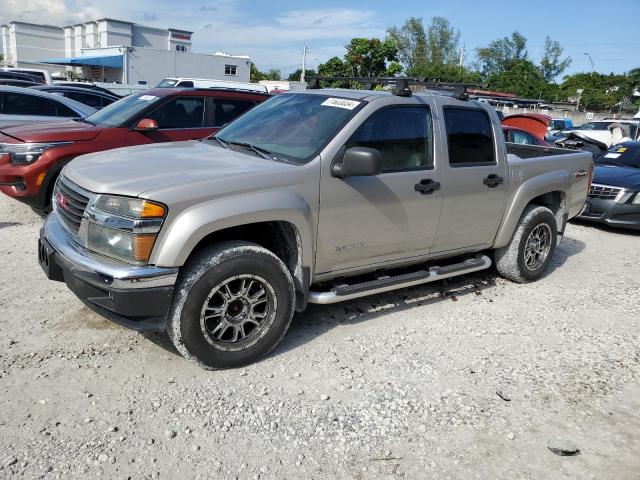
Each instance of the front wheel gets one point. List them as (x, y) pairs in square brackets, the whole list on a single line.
[(529, 252), (233, 304)]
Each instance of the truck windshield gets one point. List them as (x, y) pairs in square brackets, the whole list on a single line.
[(294, 127), (117, 113)]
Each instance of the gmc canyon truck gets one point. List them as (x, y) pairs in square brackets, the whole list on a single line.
[(318, 196)]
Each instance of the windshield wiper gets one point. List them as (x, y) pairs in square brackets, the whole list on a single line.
[(263, 152), (84, 120), (224, 143)]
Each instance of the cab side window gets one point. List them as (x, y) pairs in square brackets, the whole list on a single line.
[(469, 137), (401, 134), (180, 113), (221, 111)]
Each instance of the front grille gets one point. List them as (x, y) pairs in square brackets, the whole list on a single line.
[(70, 203), (605, 192)]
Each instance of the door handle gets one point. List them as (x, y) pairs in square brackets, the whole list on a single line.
[(426, 186), (493, 180), (581, 173)]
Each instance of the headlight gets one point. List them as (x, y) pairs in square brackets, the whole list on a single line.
[(636, 199), (125, 246), (26, 153), (124, 228), (129, 207)]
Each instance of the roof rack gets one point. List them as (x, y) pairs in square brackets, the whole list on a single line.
[(401, 85)]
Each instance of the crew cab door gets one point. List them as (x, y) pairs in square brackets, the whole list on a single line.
[(475, 180), (372, 220)]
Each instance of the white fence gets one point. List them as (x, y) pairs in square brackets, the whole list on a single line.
[(123, 89)]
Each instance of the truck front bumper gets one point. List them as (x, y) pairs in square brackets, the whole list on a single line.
[(608, 212), (135, 296)]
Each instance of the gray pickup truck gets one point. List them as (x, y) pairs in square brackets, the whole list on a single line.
[(318, 197)]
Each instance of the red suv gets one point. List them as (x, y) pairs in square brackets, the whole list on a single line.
[(31, 156)]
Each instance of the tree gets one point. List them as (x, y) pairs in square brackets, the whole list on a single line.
[(295, 76), (256, 75), (442, 42), (411, 41), (522, 78), (273, 74), (599, 91), (501, 54), (335, 67), (371, 57), (551, 64)]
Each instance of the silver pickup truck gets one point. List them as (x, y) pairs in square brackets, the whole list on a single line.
[(318, 196)]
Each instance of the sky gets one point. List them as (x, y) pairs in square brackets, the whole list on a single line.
[(273, 33)]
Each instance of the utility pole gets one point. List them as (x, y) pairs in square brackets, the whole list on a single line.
[(462, 55), (304, 63), (593, 66)]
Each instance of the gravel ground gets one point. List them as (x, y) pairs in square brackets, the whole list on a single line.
[(471, 378)]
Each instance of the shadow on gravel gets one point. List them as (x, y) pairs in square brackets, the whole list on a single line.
[(9, 224), (317, 320), (567, 248), (606, 228)]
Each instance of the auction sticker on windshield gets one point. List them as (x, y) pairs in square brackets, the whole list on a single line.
[(147, 98), (340, 103)]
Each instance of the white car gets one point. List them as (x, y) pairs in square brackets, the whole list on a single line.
[(208, 83), (609, 131), (44, 75)]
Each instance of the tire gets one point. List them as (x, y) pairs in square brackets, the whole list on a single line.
[(223, 292), (517, 262)]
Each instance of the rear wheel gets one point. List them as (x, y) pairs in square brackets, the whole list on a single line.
[(232, 306), (530, 250)]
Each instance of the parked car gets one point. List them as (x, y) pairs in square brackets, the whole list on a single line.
[(9, 82), (87, 96), (43, 76), (311, 197), (526, 128), (558, 124), (522, 137), (85, 85), (6, 76), (208, 83), (38, 152), (601, 131), (614, 197), (20, 106)]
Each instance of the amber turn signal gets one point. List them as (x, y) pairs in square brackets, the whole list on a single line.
[(152, 210), (142, 246)]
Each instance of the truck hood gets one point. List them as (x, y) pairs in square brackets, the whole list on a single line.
[(616, 176), (132, 171), (66, 131)]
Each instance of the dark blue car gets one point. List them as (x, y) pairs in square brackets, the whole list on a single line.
[(614, 198)]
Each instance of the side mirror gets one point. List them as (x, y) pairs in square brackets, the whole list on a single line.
[(146, 125), (359, 162)]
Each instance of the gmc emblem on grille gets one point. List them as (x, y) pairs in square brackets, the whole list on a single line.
[(62, 201)]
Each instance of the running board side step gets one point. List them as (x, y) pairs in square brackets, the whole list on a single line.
[(342, 293)]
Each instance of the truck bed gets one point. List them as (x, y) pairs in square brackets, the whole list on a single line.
[(533, 151)]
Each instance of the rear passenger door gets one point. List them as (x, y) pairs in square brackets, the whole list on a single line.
[(475, 183), (181, 118)]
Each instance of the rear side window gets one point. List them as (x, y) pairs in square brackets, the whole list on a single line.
[(19, 104), (180, 113), (401, 134), (186, 84), (522, 138), (221, 111), (469, 137), (94, 101)]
